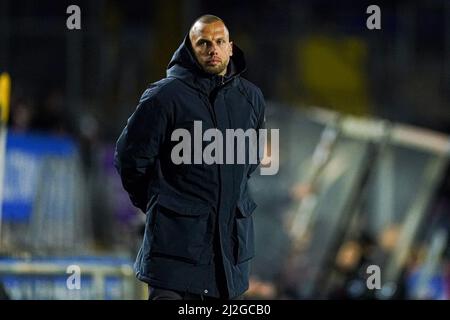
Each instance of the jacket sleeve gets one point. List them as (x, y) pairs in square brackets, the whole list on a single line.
[(261, 125), (138, 147)]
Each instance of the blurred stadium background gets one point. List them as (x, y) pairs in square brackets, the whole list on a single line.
[(364, 119)]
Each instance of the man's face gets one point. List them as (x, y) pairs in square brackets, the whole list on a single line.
[(212, 46)]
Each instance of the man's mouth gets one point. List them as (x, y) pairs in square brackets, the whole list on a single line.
[(213, 61)]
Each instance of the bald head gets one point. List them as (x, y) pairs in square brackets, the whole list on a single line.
[(205, 19), (210, 41)]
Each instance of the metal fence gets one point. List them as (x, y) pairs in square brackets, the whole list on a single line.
[(52, 279), (47, 226)]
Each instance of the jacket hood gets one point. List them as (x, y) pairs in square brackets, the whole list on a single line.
[(185, 67)]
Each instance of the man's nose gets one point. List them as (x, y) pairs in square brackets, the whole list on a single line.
[(212, 49)]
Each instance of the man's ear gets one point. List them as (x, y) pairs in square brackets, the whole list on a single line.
[(231, 47)]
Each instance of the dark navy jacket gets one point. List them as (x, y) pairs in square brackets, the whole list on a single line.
[(195, 213)]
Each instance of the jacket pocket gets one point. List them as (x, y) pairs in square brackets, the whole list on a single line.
[(244, 231), (180, 229)]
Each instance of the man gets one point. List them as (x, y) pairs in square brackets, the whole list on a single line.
[(198, 239)]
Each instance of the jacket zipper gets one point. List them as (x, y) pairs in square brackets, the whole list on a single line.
[(217, 222)]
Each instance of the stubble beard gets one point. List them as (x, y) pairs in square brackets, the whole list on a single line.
[(218, 69)]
